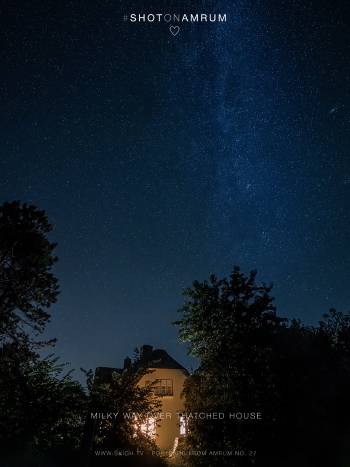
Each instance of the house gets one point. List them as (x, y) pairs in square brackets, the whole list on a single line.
[(168, 378)]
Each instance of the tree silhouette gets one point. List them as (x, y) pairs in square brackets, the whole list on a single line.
[(41, 407), (42, 410), (251, 360), (27, 285)]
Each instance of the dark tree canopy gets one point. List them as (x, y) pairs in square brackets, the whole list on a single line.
[(27, 285), (41, 407), (217, 311), (42, 410), (252, 360)]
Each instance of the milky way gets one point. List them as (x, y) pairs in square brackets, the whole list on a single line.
[(162, 159)]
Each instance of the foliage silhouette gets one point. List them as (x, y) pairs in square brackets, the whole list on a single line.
[(41, 406), (251, 360), (27, 285), (41, 410)]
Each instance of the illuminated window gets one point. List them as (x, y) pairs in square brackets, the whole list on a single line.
[(183, 425), (163, 387), (147, 428)]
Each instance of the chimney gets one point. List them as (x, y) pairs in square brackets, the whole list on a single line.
[(146, 352)]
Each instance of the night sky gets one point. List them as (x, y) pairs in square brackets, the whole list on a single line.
[(162, 159)]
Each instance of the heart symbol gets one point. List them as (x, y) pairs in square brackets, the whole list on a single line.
[(174, 30)]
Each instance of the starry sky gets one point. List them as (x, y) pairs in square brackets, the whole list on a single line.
[(162, 159)]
